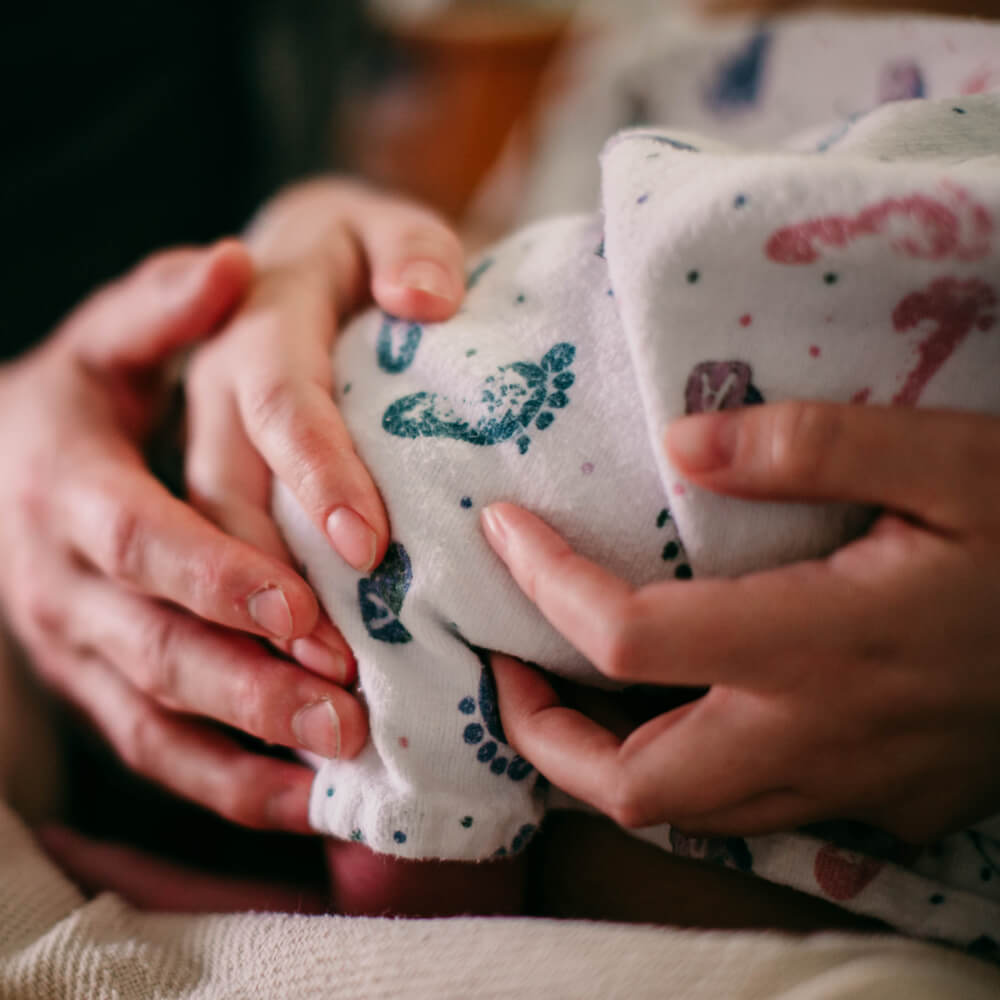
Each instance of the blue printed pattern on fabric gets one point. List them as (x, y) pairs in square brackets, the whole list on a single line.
[(519, 843), (506, 404), (738, 81), (381, 595), (397, 344), (733, 852), (477, 272), (486, 733), (902, 81)]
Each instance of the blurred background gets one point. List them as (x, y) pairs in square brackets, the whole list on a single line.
[(130, 125)]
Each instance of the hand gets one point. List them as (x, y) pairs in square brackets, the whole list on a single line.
[(863, 686), (113, 584), (260, 393)]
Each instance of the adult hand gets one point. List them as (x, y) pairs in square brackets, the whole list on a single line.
[(112, 583), (865, 685), (260, 393)]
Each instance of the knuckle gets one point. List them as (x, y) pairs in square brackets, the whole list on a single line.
[(158, 665), (210, 578), (140, 742), (41, 612), (30, 493), (250, 702), (269, 400), (627, 808), (804, 440), (623, 647), (119, 550), (242, 798)]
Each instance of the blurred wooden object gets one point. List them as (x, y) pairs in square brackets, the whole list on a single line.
[(434, 129)]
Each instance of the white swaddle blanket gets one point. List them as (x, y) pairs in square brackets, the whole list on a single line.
[(866, 270)]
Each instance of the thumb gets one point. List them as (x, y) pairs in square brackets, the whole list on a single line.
[(166, 302)]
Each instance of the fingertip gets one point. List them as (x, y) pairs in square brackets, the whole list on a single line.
[(702, 443), (325, 652), (288, 809), (224, 277), (357, 524), (518, 536), (353, 538), (429, 292), (522, 689), (353, 724), (304, 608), (283, 609), (229, 261), (501, 520)]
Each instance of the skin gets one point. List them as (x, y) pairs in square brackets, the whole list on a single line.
[(865, 685), (820, 657), (582, 867), (145, 611)]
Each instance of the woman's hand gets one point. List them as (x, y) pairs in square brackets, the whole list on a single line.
[(864, 686), (260, 394), (114, 585)]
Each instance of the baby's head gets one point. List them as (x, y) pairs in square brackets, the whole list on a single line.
[(975, 8)]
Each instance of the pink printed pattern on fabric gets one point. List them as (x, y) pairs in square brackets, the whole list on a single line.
[(917, 225)]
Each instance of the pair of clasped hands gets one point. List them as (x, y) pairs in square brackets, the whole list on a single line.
[(865, 685)]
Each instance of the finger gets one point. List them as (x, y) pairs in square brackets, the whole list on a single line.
[(187, 757), (411, 261), (198, 669), (669, 633), (573, 752), (153, 883), (229, 483), (415, 259), (120, 520), (167, 301), (282, 393), (665, 770), (929, 464)]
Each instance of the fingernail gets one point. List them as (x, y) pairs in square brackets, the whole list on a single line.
[(319, 657), (704, 442), (494, 527), (269, 609), (352, 538), (317, 728), (426, 276)]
